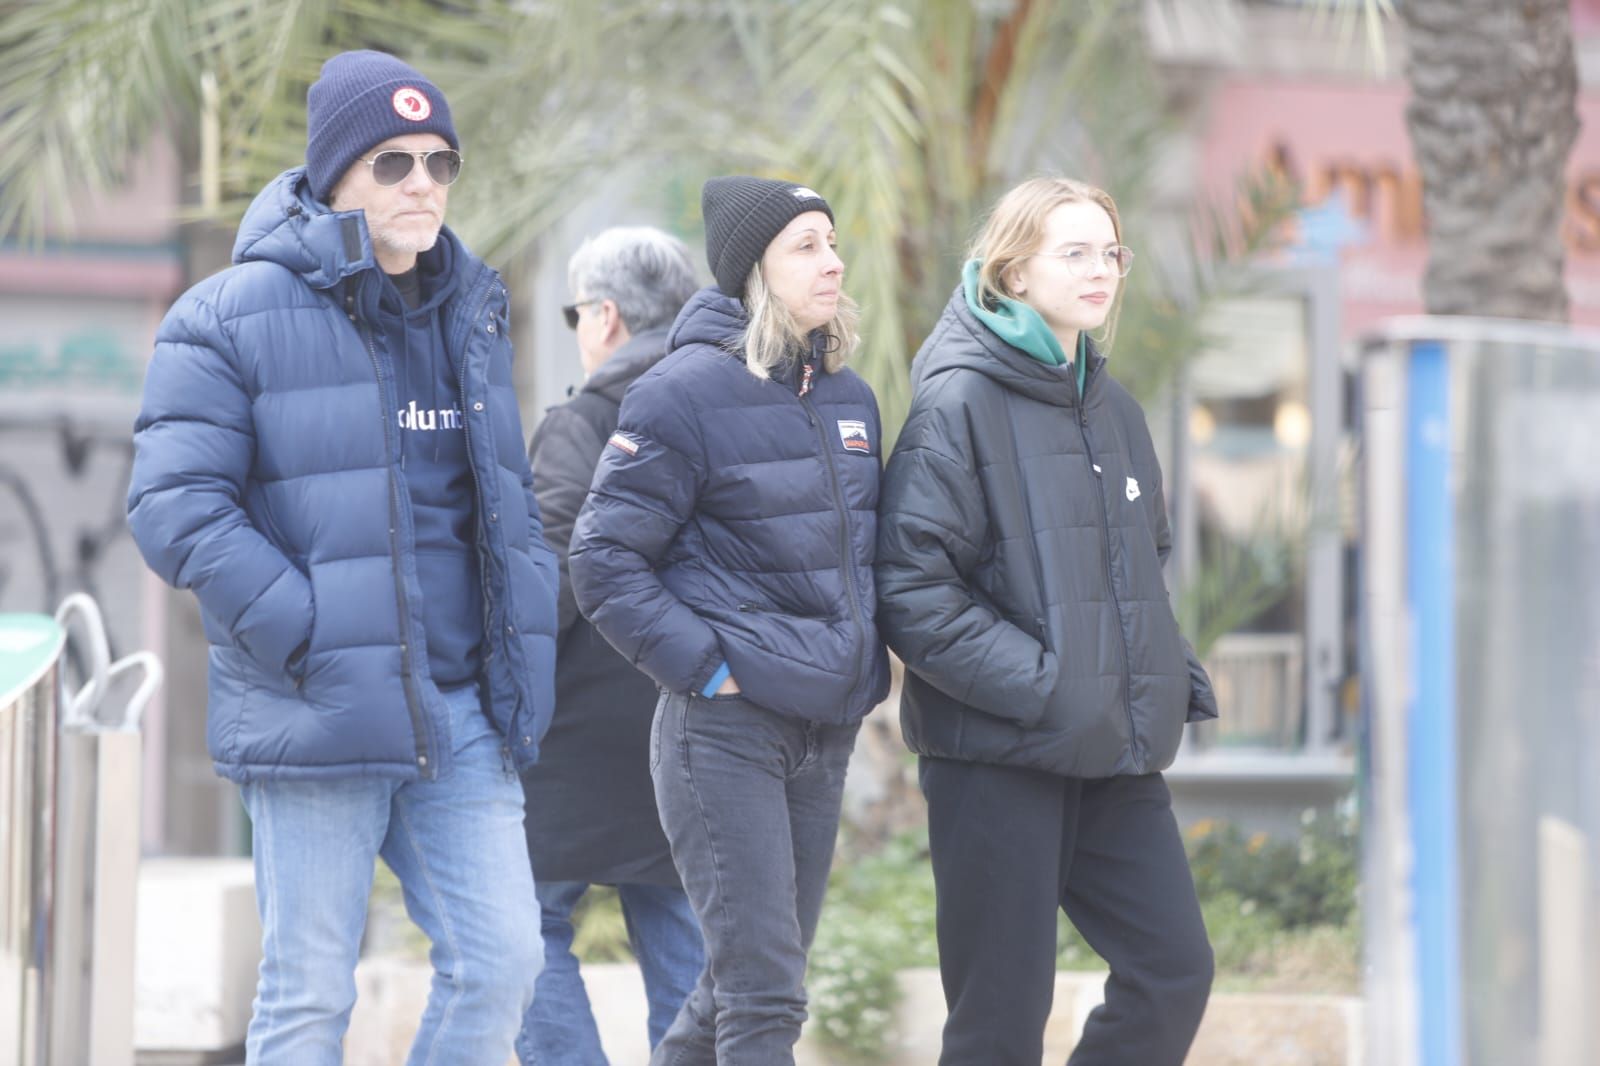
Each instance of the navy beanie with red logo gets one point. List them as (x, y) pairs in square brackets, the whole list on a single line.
[(361, 100)]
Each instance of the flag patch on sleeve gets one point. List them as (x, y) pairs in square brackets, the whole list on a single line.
[(625, 443), (854, 435)]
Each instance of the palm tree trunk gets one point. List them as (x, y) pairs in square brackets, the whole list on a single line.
[(1493, 117)]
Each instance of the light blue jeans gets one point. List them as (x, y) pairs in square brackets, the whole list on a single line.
[(457, 846), (559, 1029)]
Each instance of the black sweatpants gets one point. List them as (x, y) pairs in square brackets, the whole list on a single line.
[(1009, 846)]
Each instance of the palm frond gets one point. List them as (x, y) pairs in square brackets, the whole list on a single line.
[(82, 85)]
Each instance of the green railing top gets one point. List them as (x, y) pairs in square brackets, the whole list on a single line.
[(29, 643)]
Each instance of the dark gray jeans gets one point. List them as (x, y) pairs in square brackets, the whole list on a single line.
[(750, 802)]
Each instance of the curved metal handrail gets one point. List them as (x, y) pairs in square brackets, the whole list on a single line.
[(77, 708), (81, 709)]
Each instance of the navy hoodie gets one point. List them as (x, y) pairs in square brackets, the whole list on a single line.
[(434, 461)]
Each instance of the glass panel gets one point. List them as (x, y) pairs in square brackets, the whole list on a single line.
[(1249, 430), (1526, 425)]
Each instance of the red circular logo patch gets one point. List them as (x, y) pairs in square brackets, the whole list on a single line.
[(410, 104)]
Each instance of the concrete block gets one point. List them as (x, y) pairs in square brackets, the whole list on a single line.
[(196, 955), (1249, 1029), (1239, 1029), (392, 992)]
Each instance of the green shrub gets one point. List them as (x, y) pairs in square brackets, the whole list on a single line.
[(1310, 881), (878, 919), (599, 932)]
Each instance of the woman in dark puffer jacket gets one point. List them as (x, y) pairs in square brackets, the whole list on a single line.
[(726, 550), (1022, 533)]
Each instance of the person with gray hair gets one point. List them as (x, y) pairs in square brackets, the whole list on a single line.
[(591, 809), (632, 280)]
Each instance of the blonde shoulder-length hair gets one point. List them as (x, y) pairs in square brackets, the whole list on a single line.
[(1015, 230), (772, 337)]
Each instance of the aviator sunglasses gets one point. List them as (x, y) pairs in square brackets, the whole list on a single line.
[(390, 167)]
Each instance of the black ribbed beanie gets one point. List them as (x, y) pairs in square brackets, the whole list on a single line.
[(742, 215)]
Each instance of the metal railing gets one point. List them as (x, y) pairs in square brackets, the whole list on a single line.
[(69, 799), (30, 654)]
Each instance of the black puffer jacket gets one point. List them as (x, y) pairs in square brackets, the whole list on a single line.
[(591, 806), (1021, 537)]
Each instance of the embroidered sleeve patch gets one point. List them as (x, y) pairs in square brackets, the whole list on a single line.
[(854, 435), (623, 442)]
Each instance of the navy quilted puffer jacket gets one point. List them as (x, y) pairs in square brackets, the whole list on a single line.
[(267, 478), (733, 521)]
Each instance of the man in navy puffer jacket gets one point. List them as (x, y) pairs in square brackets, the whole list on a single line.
[(329, 454)]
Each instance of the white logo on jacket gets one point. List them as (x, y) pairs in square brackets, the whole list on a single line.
[(624, 443), (1133, 489), (421, 418)]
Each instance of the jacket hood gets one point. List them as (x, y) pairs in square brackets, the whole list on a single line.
[(643, 351), (286, 224), (710, 317), (1012, 321), (961, 342), (1022, 327), (715, 318)]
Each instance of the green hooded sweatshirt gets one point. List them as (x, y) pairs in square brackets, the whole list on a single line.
[(1021, 326)]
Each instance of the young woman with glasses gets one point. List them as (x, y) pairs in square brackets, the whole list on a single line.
[(726, 550), (1022, 533)]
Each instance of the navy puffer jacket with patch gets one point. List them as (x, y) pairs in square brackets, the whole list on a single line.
[(733, 521), (267, 477)]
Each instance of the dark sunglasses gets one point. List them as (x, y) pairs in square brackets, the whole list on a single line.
[(570, 311), (390, 167)]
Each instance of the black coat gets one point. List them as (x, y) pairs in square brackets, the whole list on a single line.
[(591, 808), (1021, 540)]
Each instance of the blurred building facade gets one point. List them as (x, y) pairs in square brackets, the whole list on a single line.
[(78, 311), (1262, 433)]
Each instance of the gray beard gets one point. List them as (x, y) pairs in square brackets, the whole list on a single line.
[(407, 245)]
